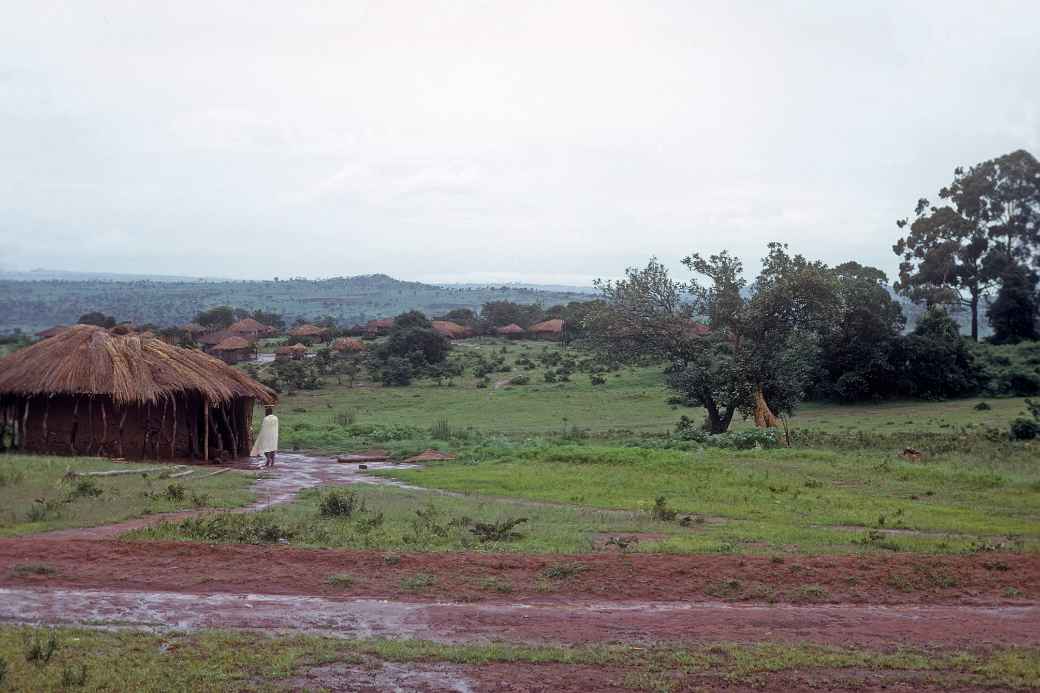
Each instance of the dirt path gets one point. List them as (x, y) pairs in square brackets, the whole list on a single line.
[(86, 577), (280, 484), (627, 622)]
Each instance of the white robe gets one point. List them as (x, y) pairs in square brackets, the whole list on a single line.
[(267, 439)]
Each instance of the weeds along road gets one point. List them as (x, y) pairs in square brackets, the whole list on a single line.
[(94, 580)]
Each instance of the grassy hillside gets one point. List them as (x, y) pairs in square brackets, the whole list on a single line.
[(35, 305)]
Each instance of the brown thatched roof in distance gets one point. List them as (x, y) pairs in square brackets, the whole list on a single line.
[(193, 328), (250, 326), (298, 348), (214, 338), (348, 344), (307, 331), (233, 344), (511, 328), (88, 360), (451, 330), (554, 326)]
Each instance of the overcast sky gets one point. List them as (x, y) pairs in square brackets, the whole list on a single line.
[(491, 141)]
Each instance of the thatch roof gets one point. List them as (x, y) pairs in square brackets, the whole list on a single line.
[(511, 328), (88, 360), (233, 344), (307, 331), (554, 326), (348, 344), (451, 330), (250, 326), (214, 338)]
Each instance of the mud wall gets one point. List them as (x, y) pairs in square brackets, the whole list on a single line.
[(181, 426)]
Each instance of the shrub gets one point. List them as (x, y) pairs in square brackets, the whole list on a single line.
[(74, 677), (562, 571), (417, 582), (521, 379), (441, 430), (982, 406), (345, 418), (397, 372), (661, 511), (340, 580), (1025, 429), (232, 528), (38, 651), (597, 379), (336, 503), (84, 487), (497, 531), (33, 569)]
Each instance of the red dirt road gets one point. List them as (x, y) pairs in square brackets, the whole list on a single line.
[(983, 579), (877, 601)]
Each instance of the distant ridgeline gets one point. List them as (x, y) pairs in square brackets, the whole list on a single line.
[(32, 305)]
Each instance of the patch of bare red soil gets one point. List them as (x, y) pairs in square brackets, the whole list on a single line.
[(981, 579)]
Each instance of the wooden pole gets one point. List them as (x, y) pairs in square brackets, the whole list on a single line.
[(173, 432), (205, 435)]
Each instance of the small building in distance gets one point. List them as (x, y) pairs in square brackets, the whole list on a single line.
[(378, 328), (88, 391), (510, 331), (309, 333), (290, 353), (234, 349), (250, 329), (549, 329), (347, 345), (209, 340), (451, 330)]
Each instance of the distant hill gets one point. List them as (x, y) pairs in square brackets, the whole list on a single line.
[(37, 303)]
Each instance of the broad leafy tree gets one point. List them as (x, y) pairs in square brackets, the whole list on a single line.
[(952, 252), (727, 351), (1013, 315), (855, 359)]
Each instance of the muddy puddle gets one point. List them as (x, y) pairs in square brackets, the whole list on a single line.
[(635, 622)]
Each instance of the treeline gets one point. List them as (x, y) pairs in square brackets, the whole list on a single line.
[(34, 305), (803, 329)]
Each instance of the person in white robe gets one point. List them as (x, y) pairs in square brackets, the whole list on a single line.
[(267, 439)]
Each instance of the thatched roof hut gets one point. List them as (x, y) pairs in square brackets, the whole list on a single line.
[(451, 330), (211, 339), (294, 352), (549, 329), (87, 391), (346, 344), (234, 349), (250, 328), (512, 330), (374, 328), (309, 333)]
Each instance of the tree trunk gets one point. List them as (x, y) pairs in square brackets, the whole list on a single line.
[(764, 417), (975, 316)]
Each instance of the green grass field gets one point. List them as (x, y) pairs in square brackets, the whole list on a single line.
[(37, 496), (69, 659), (632, 401)]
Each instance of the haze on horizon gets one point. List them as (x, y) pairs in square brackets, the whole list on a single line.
[(473, 142)]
